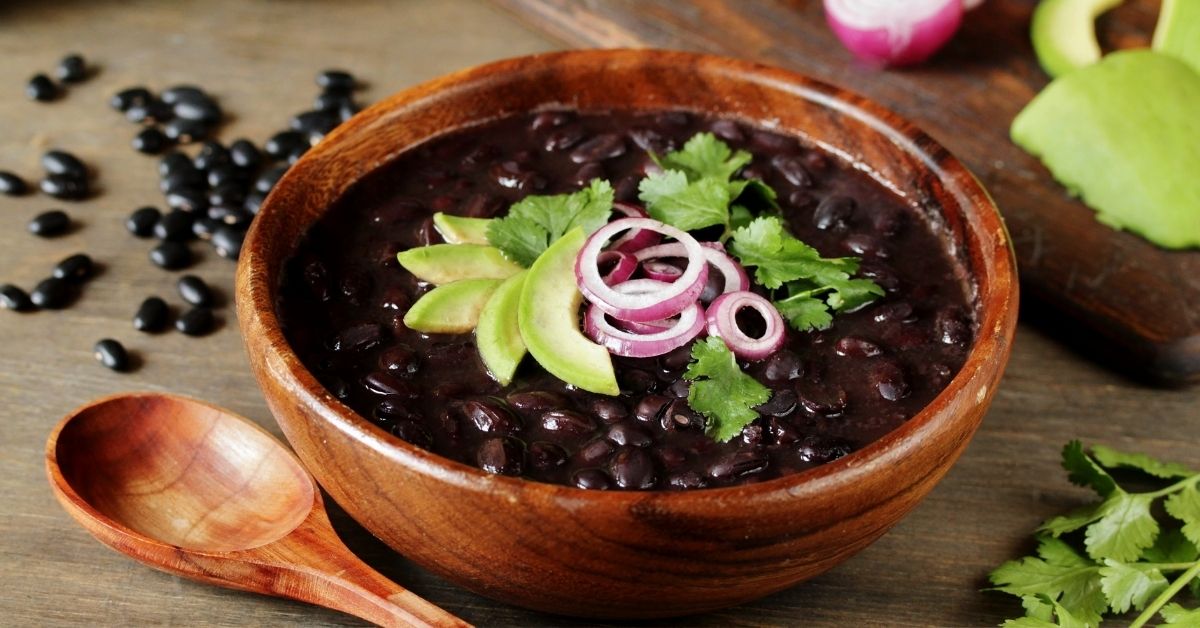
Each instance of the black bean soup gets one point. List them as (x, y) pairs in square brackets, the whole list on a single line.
[(344, 297)]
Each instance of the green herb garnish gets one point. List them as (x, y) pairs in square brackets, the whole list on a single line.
[(721, 391), (535, 222), (1127, 551), (815, 286)]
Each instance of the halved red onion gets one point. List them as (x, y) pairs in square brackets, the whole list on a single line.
[(891, 33), (661, 271), (735, 276), (636, 239), (623, 265), (666, 302), (685, 327), (722, 321)]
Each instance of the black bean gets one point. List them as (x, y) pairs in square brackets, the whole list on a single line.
[(678, 415), (588, 172), (781, 403), (284, 143), (129, 97), (632, 468), (599, 148), (673, 118), (649, 407), (175, 226), (782, 366), (227, 175), (231, 195), (183, 179), (50, 223), (608, 409), (864, 245), (196, 292), (592, 479), (855, 347), (269, 178), (677, 359), (112, 354), (348, 110), (951, 327), (332, 101), (818, 450), (64, 187), (386, 384), (203, 227), (14, 298), (71, 69), (899, 311), (356, 338), (150, 141), (184, 131), (77, 268), (567, 422), (151, 315), (679, 388), (636, 381), (64, 163), (171, 255), (174, 162), (413, 433), (502, 456), (793, 170), (536, 400), (142, 221), (686, 480), (197, 321), (227, 241), (245, 154), (41, 88), (295, 154), (393, 408), (782, 431), (235, 217), (628, 434), (153, 111), (12, 184), (174, 94), (563, 138), (212, 154), (253, 204), (738, 464), (400, 360), (728, 130), (833, 213), (201, 108), (314, 124), (490, 417), (336, 81), (594, 452), (186, 199), (53, 294), (544, 456), (648, 140), (889, 380), (822, 400)]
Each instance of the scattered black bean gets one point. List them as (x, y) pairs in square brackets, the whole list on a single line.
[(336, 81), (151, 315), (228, 241), (195, 292), (284, 143), (12, 184), (186, 131), (245, 154), (201, 108), (332, 101), (197, 321), (50, 223), (52, 294), (112, 354), (14, 298), (174, 226), (150, 141), (129, 97), (212, 154), (235, 217), (174, 94), (203, 227), (182, 178), (174, 162), (254, 201), (188, 199), (64, 187), (64, 163), (71, 69), (142, 221), (502, 456), (267, 180), (833, 212), (171, 255), (77, 268), (152, 111), (41, 88)]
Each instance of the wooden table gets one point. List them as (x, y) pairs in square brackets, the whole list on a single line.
[(259, 58)]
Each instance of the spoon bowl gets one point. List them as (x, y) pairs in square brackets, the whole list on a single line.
[(194, 490)]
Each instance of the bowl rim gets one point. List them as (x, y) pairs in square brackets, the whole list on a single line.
[(983, 228)]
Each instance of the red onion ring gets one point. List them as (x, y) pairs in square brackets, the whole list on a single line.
[(660, 271), (643, 286), (736, 279), (636, 239), (666, 302), (687, 326), (622, 269), (722, 321)]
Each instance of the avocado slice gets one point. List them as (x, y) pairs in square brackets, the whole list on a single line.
[(1178, 31), (461, 230), (549, 320), (1124, 135), (443, 263), (498, 334), (451, 309), (1064, 33)]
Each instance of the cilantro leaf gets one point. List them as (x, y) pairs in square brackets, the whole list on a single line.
[(1177, 615), (671, 198), (1057, 526), (1185, 506), (1130, 585), (721, 391), (1112, 458), (1073, 582), (1172, 547), (805, 312), (704, 156), (1124, 529), (535, 222), (1084, 471)]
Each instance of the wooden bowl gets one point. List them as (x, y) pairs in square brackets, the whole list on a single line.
[(627, 554)]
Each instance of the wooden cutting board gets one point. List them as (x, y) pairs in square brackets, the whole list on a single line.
[(1139, 305)]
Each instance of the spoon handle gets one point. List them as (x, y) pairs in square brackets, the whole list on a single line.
[(327, 574)]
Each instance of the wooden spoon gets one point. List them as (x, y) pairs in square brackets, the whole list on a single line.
[(197, 491)]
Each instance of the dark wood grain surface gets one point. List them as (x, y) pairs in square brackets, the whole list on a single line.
[(1141, 303), (259, 58)]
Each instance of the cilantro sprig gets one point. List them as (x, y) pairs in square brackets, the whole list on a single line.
[(721, 391), (1127, 552), (535, 222)]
